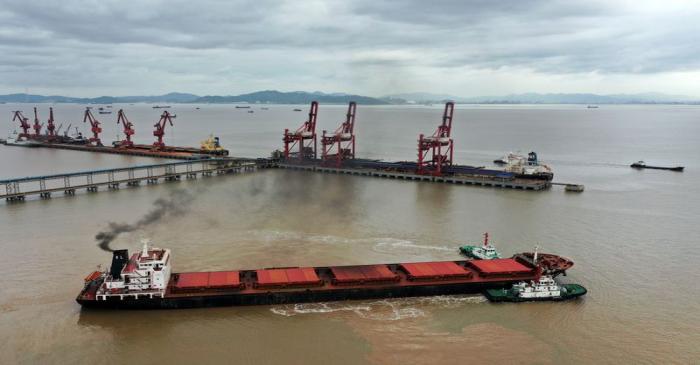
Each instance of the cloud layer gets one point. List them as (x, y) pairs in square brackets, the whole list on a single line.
[(88, 48)]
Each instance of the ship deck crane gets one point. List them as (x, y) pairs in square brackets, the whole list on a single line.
[(436, 152), (50, 126), (128, 129), (95, 127), (23, 123), (159, 131), (37, 126), (304, 138), (340, 145)]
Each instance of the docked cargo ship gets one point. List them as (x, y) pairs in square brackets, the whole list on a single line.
[(144, 281)]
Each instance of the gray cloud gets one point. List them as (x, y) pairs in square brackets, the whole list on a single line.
[(365, 46)]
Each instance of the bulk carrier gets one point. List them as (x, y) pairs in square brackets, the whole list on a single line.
[(144, 281)]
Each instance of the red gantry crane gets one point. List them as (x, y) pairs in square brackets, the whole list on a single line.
[(95, 127), (37, 126), (50, 126), (128, 130), (435, 152), (340, 145), (304, 137), (159, 131), (23, 123)]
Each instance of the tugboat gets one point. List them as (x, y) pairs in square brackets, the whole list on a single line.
[(642, 165), (485, 252), (543, 288)]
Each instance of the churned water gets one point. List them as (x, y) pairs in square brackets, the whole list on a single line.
[(633, 234)]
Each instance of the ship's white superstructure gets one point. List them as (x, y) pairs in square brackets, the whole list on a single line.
[(526, 166), (545, 287), (146, 273)]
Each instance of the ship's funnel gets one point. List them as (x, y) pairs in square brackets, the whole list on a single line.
[(119, 259)]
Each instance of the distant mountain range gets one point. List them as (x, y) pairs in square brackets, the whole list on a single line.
[(265, 97), (535, 98), (302, 97)]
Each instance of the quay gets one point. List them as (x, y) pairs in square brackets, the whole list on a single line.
[(19, 188), (487, 181)]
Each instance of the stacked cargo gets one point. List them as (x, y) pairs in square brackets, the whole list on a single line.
[(350, 275), (197, 281), (290, 277), (435, 271)]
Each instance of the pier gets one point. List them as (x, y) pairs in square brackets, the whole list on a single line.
[(91, 180), (487, 181)]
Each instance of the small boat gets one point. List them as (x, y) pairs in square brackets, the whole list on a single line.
[(197, 108), (575, 188), (15, 139), (297, 110), (642, 165), (161, 106), (592, 107), (105, 112), (484, 252), (251, 111), (242, 106), (542, 289), (264, 108)]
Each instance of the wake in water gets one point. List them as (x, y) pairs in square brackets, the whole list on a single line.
[(382, 310)]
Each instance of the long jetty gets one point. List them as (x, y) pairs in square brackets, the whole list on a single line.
[(474, 180), (91, 180)]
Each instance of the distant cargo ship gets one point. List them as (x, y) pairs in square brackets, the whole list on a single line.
[(144, 281)]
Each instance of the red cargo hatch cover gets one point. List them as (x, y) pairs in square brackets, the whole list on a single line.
[(499, 266), (222, 279), (293, 276), (192, 280), (349, 274), (430, 270)]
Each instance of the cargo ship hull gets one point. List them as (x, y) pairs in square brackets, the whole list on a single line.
[(274, 298), (306, 284)]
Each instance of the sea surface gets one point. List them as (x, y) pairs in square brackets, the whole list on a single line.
[(634, 236)]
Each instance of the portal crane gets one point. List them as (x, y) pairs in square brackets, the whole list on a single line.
[(50, 126), (128, 129), (340, 145), (95, 127), (159, 131), (23, 123), (304, 138), (37, 126), (440, 146)]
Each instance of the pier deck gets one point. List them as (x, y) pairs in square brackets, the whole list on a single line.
[(488, 181), (91, 180)]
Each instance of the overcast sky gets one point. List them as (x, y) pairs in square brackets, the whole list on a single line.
[(368, 47)]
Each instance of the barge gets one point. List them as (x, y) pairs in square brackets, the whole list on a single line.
[(643, 165), (144, 281)]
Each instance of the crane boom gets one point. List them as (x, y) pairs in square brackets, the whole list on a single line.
[(23, 122), (94, 127), (159, 131), (128, 129)]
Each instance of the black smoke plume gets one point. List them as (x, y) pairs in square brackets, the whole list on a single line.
[(176, 203)]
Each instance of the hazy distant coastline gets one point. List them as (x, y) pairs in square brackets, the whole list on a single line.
[(302, 97)]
